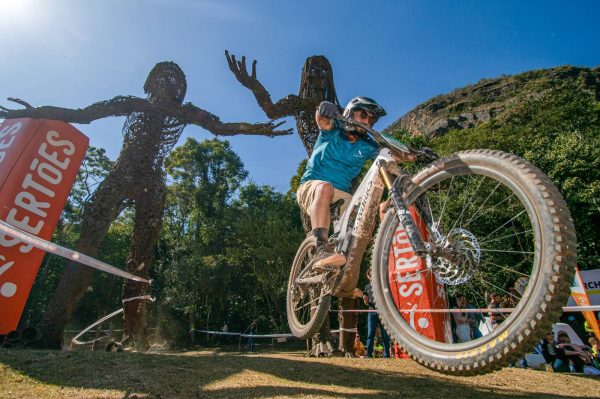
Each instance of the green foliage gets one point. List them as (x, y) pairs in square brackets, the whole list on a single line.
[(559, 132)]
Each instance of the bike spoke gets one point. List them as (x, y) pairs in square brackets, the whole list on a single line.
[(505, 268), (513, 218), (481, 206), (446, 200), (310, 302), (506, 251), (498, 288), (507, 236), (467, 203)]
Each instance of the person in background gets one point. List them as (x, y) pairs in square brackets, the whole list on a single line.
[(568, 354), (373, 322), (549, 350), (463, 323), (359, 347), (496, 317), (251, 333), (593, 341), (224, 340)]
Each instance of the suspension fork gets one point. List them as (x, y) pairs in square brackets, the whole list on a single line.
[(396, 188)]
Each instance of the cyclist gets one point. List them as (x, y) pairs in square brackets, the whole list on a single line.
[(338, 157)]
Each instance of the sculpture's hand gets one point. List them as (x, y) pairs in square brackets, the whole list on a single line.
[(17, 113), (241, 72), (269, 129)]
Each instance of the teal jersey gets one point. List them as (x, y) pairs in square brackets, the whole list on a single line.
[(338, 161)]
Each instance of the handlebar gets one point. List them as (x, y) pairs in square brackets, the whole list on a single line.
[(423, 153)]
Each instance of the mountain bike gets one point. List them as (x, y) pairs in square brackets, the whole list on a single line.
[(474, 223)]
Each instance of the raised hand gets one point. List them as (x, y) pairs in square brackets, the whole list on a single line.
[(269, 128), (241, 72), (328, 110)]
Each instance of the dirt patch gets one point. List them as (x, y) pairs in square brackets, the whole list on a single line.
[(214, 374)]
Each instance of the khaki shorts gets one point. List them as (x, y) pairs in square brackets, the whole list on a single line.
[(306, 194)]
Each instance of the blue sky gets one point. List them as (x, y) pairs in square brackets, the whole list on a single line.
[(72, 53)]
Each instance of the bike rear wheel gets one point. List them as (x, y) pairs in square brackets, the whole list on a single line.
[(512, 234), (307, 304)]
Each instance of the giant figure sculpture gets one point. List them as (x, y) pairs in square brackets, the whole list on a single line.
[(316, 85), (153, 126)]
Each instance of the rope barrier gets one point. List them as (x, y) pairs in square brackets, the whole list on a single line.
[(244, 335), (567, 309), (88, 328), (56, 249), (75, 341)]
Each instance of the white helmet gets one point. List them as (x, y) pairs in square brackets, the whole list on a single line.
[(367, 104)]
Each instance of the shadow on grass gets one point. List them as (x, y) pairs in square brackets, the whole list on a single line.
[(227, 375)]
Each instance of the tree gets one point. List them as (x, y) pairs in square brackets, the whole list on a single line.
[(267, 232), (205, 176)]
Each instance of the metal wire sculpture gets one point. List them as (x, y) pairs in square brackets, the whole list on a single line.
[(153, 126), (316, 85)]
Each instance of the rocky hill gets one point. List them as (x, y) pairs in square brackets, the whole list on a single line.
[(490, 98)]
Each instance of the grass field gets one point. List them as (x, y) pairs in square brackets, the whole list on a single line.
[(216, 374)]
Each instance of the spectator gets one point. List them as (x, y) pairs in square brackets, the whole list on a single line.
[(496, 317), (251, 333), (359, 347), (568, 354), (549, 350), (594, 347), (463, 323), (225, 330), (373, 322)]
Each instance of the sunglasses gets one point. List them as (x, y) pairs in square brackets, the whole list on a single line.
[(365, 115)]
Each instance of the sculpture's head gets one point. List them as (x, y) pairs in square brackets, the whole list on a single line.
[(317, 77), (166, 83)]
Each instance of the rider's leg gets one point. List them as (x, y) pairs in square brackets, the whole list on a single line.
[(315, 198), (320, 219), (319, 212)]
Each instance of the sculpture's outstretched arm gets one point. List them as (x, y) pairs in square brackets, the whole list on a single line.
[(287, 106), (118, 106), (190, 114)]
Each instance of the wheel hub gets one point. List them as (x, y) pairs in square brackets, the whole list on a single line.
[(458, 257)]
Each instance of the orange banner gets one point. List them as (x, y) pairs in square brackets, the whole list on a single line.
[(581, 298), (39, 161), (414, 287)]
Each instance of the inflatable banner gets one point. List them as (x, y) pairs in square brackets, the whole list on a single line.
[(591, 282), (39, 161), (414, 287), (579, 294)]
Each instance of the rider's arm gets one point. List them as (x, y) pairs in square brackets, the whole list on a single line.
[(324, 124)]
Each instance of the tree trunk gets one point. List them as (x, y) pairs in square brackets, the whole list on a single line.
[(98, 214), (348, 323), (149, 207)]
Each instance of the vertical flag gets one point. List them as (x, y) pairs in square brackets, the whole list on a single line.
[(39, 161), (414, 287)]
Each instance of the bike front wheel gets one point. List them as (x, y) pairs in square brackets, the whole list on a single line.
[(504, 231), (307, 303)]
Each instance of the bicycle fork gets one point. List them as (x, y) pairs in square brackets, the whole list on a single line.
[(396, 189)]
